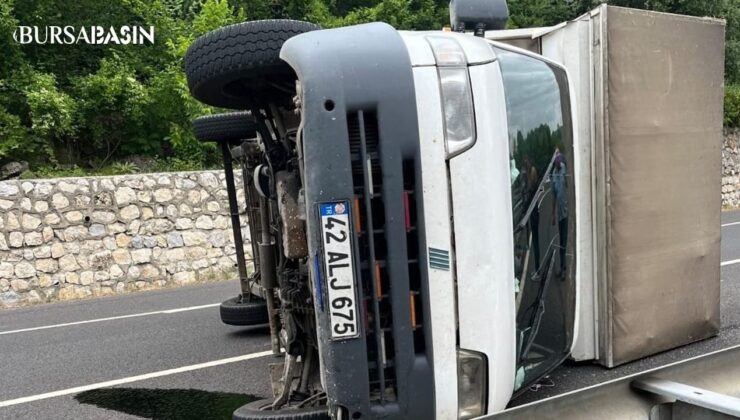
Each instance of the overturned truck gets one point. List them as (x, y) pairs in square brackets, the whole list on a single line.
[(423, 231)]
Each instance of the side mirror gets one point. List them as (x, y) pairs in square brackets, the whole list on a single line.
[(478, 15)]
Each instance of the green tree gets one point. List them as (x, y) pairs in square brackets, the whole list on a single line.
[(111, 103), (532, 13), (52, 114), (12, 135), (89, 105), (726, 9), (732, 106)]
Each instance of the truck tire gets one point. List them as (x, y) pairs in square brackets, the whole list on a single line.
[(229, 126), (236, 311), (255, 411), (227, 66)]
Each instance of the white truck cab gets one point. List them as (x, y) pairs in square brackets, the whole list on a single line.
[(483, 192), (492, 120)]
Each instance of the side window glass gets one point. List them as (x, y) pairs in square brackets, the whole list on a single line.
[(540, 145)]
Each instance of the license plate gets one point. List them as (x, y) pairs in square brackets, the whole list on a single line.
[(339, 269)]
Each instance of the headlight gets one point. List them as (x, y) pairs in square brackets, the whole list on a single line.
[(457, 98), (457, 103), (471, 384)]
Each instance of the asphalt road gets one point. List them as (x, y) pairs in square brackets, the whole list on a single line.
[(36, 362), (179, 364)]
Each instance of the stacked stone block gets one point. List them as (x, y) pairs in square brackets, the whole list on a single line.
[(72, 238)]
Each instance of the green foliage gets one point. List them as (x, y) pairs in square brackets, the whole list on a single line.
[(214, 14), (52, 111), (53, 171), (732, 105), (174, 164), (731, 13), (11, 54), (186, 147), (12, 135), (112, 104), (52, 114), (86, 105), (726, 9), (529, 13), (115, 168), (401, 14), (73, 108)]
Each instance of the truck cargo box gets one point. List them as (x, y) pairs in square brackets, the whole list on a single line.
[(649, 90)]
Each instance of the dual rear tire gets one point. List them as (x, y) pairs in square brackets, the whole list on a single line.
[(241, 311), (232, 127)]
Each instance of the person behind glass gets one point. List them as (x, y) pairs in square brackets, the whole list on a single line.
[(560, 205), (531, 184)]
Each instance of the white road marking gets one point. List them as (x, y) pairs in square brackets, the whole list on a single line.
[(189, 308), (731, 262), (130, 379), (111, 318), (731, 224)]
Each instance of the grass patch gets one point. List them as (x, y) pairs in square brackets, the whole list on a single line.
[(116, 168)]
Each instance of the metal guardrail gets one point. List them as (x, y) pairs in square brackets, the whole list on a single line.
[(702, 387)]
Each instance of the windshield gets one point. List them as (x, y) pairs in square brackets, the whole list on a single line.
[(543, 200)]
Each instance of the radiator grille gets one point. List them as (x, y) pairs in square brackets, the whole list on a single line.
[(370, 228), (413, 249), (372, 238)]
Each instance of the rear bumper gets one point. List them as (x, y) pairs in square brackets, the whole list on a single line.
[(369, 133)]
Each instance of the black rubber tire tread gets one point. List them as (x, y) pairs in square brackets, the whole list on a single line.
[(252, 411), (229, 126), (247, 52), (236, 312)]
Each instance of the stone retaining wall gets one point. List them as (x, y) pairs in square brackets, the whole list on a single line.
[(731, 169), (71, 238)]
